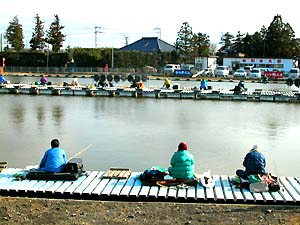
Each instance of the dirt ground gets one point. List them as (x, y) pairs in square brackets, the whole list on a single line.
[(50, 211)]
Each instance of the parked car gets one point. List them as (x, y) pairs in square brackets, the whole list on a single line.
[(248, 69), (222, 71), (208, 72), (294, 73), (170, 68), (255, 73), (240, 73)]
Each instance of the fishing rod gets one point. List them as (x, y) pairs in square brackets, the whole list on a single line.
[(81, 151)]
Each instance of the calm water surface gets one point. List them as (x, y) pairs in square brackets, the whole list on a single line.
[(139, 133)]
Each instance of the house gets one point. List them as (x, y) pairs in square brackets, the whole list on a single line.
[(149, 44)]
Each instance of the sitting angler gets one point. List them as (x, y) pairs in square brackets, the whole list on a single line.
[(203, 85), (54, 159), (43, 80), (254, 164), (182, 163)]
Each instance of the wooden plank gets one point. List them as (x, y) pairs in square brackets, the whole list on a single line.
[(22, 183), (162, 192), (100, 186), (247, 195), (110, 186), (290, 189), (200, 193), (63, 187), (258, 196), (268, 197), (172, 192), (209, 192), (37, 186), (285, 195), (181, 192), (191, 193), (277, 196), (294, 183), (144, 191), (93, 184), (236, 191), (118, 188), (153, 192), (129, 184), (28, 185), (136, 188), (76, 183), (11, 185), (218, 188), (55, 186), (47, 185), (86, 182), (228, 195)]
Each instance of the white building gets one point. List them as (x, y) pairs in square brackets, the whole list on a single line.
[(266, 64), (202, 63)]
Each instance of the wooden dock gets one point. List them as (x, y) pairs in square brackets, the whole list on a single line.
[(98, 185), (188, 93)]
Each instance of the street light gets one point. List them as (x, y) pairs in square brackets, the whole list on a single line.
[(47, 60)]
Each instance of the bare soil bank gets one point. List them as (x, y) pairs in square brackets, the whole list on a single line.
[(50, 211)]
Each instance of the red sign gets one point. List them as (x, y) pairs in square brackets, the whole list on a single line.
[(261, 60), (274, 74), (244, 60), (278, 60), (252, 60)]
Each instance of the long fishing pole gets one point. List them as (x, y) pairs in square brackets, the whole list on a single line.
[(81, 151)]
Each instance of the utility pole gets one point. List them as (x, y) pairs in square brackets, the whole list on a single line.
[(158, 30), (96, 32), (126, 40)]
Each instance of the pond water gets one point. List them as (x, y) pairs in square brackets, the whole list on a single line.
[(139, 133)]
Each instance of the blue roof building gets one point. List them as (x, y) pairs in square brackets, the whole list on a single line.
[(149, 44)]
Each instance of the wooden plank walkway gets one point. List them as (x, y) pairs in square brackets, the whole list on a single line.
[(97, 186)]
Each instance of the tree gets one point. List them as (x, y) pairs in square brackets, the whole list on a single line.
[(14, 34), (227, 44), (184, 41), (38, 40), (54, 35), (200, 45), (280, 39)]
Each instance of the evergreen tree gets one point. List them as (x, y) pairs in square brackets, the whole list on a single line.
[(200, 45), (14, 34), (37, 41), (184, 41), (227, 45), (280, 39), (54, 35)]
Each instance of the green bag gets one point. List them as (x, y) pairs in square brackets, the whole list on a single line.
[(254, 179)]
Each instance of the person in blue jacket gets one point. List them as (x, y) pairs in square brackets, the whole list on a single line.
[(254, 163), (2, 79), (54, 159), (203, 85), (182, 163)]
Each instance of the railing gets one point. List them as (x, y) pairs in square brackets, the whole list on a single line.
[(21, 69)]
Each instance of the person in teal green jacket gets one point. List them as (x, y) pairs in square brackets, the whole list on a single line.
[(182, 163)]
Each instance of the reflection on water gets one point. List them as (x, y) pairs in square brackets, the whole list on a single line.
[(139, 133), (57, 113), (17, 114)]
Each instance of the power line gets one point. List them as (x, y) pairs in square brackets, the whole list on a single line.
[(96, 32)]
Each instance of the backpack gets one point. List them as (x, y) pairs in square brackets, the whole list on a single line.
[(274, 185), (151, 175)]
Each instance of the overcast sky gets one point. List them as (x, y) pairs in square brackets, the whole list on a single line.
[(137, 18)]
